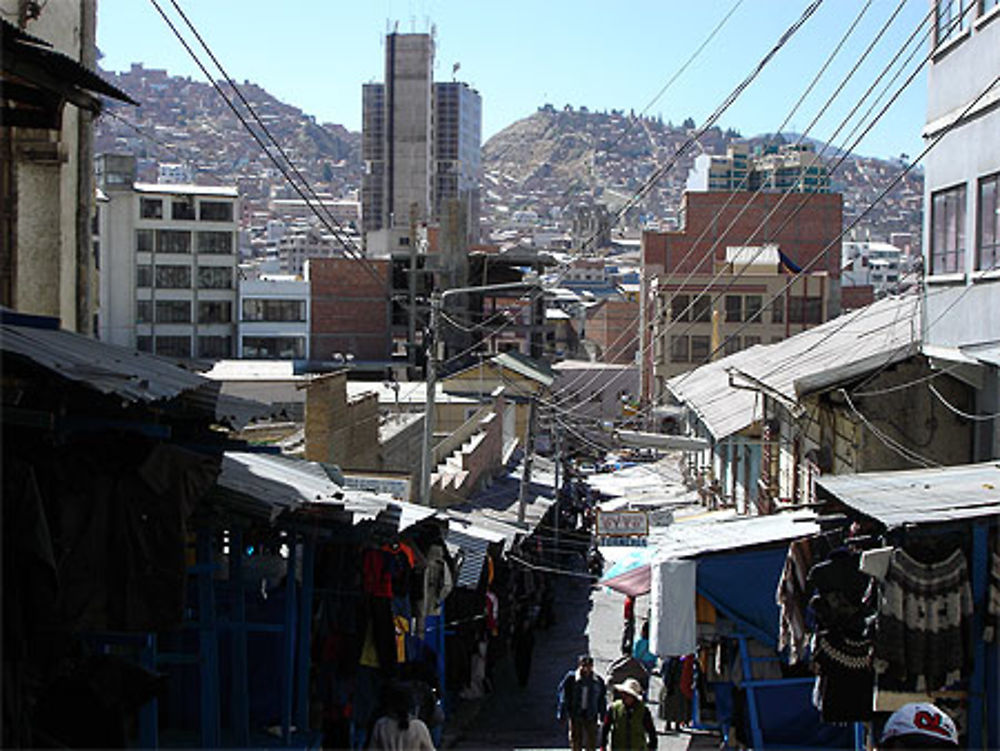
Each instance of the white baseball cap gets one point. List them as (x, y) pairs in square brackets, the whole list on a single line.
[(921, 719)]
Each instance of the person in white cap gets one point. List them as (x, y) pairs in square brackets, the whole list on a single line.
[(628, 723), (919, 725)]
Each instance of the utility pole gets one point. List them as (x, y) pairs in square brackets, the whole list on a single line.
[(529, 450), (558, 455), (427, 465), (433, 338)]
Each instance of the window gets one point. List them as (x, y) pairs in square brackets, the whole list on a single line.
[(679, 308), (679, 349), (258, 309), (173, 311), (173, 346), (182, 208), (215, 242), (950, 19), (144, 311), (751, 308), (215, 311), (988, 5), (734, 309), (270, 347), (732, 345), (805, 309), (749, 341), (216, 211), (144, 241), (215, 346), (778, 309), (700, 348), (988, 245), (173, 241), (948, 231), (215, 277), (703, 309), (150, 208), (144, 343), (173, 277), (144, 276)]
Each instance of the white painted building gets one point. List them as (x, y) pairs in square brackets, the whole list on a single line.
[(274, 318), (876, 264), (167, 264), (962, 203)]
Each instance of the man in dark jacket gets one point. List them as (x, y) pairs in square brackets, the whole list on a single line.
[(582, 702)]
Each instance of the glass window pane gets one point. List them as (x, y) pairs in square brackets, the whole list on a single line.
[(679, 308)]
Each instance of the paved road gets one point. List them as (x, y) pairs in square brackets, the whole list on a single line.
[(588, 620)]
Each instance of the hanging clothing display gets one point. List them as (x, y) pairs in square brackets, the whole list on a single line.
[(791, 597), (844, 690), (923, 612), (993, 597), (673, 609)]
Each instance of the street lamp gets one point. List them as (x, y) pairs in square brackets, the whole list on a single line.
[(437, 301)]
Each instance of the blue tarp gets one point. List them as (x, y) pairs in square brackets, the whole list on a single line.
[(741, 585)]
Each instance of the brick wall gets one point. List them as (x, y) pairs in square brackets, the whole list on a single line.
[(614, 327), (803, 225), (350, 309)]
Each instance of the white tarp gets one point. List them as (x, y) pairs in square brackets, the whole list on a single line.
[(672, 596)]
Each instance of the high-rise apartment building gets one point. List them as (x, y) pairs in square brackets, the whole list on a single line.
[(421, 148), (784, 168), (167, 261)]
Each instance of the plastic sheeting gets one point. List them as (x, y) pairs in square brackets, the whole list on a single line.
[(672, 604), (741, 585)]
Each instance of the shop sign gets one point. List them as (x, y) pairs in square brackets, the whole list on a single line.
[(622, 523)]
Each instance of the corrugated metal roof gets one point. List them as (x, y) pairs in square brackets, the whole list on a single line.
[(724, 410), (128, 374), (473, 549), (853, 344), (987, 352), (714, 534), (108, 368), (274, 484), (920, 496)]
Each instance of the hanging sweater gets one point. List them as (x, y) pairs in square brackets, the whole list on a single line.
[(922, 618)]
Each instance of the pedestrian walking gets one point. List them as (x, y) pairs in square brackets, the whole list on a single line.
[(628, 724), (628, 628), (398, 729), (582, 703), (627, 666), (641, 649)]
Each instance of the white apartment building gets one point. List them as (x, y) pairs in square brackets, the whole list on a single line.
[(274, 318), (167, 264), (876, 264), (962, 203)]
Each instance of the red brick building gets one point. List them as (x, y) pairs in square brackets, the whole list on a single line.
[(350, 309), (802, 232), (614, 326)]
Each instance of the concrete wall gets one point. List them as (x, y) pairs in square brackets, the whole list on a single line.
[(337, 430), (53, 271)]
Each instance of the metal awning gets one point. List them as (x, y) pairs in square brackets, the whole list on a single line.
[(921, 496)]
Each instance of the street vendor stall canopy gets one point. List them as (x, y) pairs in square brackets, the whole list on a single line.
[(922, 496), (699, 537)]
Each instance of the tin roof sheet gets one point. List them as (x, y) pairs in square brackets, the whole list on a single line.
[(920, 496)]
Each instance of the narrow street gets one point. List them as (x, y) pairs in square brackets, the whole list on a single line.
[(588, 620)]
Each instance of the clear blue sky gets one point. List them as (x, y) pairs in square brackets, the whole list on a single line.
[(315, 54)]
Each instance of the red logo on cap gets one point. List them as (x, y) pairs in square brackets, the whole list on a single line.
[(930, 721)]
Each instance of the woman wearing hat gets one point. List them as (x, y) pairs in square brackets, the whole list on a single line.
[(628, 723)]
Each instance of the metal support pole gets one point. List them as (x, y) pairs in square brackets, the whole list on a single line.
[(529, 450), (304, 643), (240, 698), (427, 461)]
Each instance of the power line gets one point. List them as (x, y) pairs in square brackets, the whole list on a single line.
[(348, 250), (733, 194)]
